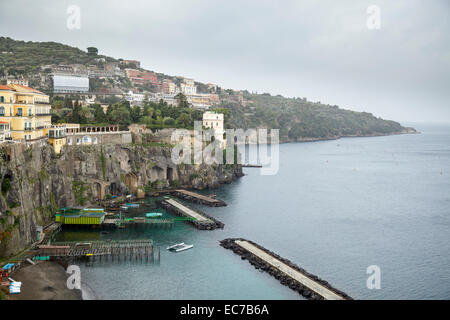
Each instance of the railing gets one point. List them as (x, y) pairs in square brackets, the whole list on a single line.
[(43, 114), (28, 129)]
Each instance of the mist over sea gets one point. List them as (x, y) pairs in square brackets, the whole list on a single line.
[(334, 208)]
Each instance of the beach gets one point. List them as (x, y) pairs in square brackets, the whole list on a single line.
[(44, 281)]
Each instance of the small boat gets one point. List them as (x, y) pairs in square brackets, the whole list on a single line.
[(132, 205), (180, 247), (153, 215)]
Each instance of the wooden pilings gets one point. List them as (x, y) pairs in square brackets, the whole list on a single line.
[(116, 251)]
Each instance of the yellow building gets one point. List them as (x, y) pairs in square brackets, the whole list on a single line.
[(57, 137), (26, 110), (6, 110)]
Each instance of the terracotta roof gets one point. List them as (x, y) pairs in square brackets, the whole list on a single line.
[(2, 87), (28, 88)]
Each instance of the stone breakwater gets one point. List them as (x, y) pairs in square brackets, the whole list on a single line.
[(209, 223), (284, 279)]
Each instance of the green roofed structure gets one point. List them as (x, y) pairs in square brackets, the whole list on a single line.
[(85, 216)]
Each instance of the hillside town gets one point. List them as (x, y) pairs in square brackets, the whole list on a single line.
[(25, 116), (26, 112), (102, 80)]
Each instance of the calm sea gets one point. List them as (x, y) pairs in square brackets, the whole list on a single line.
[(334, 208)]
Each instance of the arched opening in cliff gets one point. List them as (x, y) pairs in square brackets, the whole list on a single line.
[(169, 174), (157, 173), (97, 191), (113, 188), (131, 182)]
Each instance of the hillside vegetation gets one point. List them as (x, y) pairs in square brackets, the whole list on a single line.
[(23, 57), (299, 119)]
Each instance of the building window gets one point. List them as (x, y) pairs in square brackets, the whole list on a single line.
[(2, 111), (29, 112), (94, 140), (19, 112), (2, 99), (78, 140), (69, 141)]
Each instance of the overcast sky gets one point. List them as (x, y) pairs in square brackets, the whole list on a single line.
[(318, 49)]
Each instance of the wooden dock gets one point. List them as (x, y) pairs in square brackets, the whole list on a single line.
[(198, 218), (308, 285), (139, 222), (198, 198), (119, 250)]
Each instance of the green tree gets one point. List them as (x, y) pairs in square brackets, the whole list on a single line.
[(182, 100), (184, 120), (75, 118), (99, 115)]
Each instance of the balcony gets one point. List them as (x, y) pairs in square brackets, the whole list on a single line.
[(28, 129), (43, 114)]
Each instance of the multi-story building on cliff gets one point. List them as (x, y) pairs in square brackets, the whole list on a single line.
[(57, 137), (6, 110), (188, 87), (168, 87), (215, 121), (26, 110), (5, 131), (137, 77)]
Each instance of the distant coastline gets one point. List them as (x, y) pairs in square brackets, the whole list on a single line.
[(405, 131)]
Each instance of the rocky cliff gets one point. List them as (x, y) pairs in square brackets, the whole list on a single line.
[(35, 181)]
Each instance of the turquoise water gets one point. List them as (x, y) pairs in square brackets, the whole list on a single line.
[(334, 208)]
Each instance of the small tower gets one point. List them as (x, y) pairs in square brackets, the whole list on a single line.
[(215, 121)]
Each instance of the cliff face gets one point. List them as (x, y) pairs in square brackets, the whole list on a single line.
[(35, 182)]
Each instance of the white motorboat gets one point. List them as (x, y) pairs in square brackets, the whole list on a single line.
[(180, 247)]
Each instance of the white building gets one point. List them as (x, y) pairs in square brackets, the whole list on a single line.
[(213, 120), (22, 82), (188, 87), (134, 98), (70, 84)]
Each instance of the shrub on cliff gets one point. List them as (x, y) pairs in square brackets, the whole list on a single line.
[(6, 185)]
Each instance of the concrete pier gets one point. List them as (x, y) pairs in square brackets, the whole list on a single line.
[(198, 198), (198, 218), (308, 285)]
